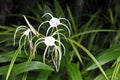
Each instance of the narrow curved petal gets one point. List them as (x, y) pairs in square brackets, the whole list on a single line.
[(42, 24), (60, 53), (22, 27), (34, 49), (20, 39), (58, 33), (56, 58), (64, 50), (67, 21), (62, 35), (18, 29), (48, 14), (66, 27), (48, 52), (45, 52), (38, 40), (48, 30), (36, 44)]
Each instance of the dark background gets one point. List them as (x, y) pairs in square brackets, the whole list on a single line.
[(78, 7)]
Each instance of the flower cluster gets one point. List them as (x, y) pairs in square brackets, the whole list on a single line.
[(52, 39)]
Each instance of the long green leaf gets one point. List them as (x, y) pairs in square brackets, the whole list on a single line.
[(92, 31), (91, 56), (72, 20), (12, 63), (74, 72), (106, 56), (8, 28), (77, 53), (109, 73), (58, 8), (7, 56), (23, 67), (116, 69), (28, 66)]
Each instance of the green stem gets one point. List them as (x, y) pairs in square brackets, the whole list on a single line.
[(12, 62), (32, 54)]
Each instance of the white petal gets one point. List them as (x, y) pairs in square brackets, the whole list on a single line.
[(45, 54), (48, 14), (64, 50), (42, 24), (67, 21), (66, 27)]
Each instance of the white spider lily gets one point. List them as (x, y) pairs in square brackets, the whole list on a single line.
[(50, 41), (26, 34), (54, 23)]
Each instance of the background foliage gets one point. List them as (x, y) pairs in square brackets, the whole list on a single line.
[(92, 51)]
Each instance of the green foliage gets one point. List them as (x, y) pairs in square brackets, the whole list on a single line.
[(106, 56), (92, 50), (74, 73)]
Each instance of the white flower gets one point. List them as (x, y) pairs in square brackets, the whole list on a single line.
[(26, 34), (56, 46), (54, 23)]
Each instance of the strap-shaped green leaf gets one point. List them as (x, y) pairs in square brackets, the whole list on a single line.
[(23, 67)]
